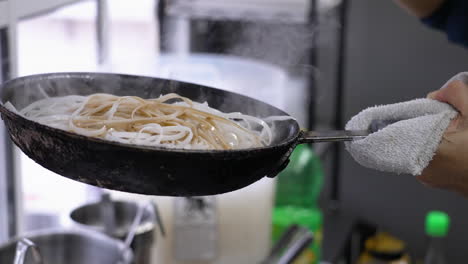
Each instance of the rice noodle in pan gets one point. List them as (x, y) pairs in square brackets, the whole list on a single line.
[(170, 121)]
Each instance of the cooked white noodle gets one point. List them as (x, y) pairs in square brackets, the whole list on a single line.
[(153, 122)]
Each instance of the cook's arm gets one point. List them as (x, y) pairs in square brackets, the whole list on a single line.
[(449, 167), (448, 16), (421, 8)]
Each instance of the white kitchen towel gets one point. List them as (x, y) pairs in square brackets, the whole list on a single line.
[(406, 146)]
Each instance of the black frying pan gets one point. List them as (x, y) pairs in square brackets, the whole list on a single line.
[(139, 169)]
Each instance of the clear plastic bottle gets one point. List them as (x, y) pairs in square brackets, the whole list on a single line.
[(437, 226)]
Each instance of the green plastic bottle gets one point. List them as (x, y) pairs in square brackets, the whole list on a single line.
[(301, 182), (437, 226), (297, 191)]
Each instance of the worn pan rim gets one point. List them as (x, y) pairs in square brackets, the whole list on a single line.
[(66, 134)]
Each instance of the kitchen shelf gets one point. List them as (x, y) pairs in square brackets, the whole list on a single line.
[(291, 11), (28, 8), (3, 13)]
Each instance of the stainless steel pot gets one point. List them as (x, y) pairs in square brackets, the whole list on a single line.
[(58, 246), (116, 218)]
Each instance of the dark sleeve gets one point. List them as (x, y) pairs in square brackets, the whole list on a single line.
[(451, 18)]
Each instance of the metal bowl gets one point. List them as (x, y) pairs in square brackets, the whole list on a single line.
[(58, 246)]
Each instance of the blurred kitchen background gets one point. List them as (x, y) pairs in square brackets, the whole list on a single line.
[(322, 61)]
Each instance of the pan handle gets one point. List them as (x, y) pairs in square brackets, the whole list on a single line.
[(344, 135), (332, 136)]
